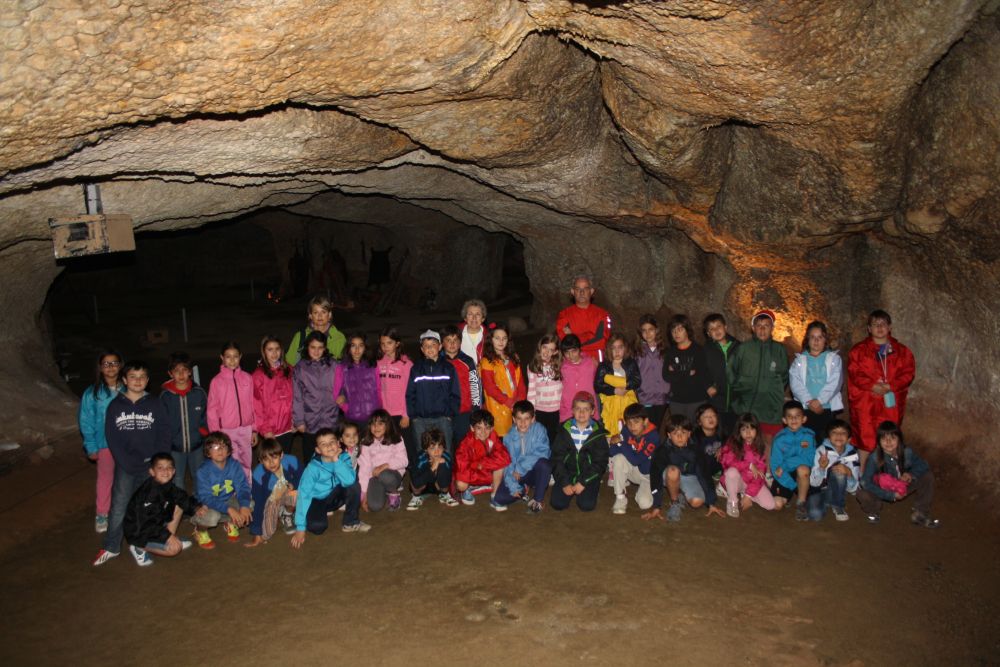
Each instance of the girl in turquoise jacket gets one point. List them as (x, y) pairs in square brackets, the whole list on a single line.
[(93, 406)]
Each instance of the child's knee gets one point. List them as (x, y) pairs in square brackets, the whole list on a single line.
[(802, 472), (673, 473), (777, 503), (461, 486), (695, 502)]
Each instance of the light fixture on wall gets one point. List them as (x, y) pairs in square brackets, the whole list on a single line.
[(95, 233)]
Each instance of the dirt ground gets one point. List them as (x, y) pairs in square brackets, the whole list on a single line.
[(460, 585)]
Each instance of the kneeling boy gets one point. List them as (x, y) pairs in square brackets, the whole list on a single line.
[(579, 457), (480, 461)]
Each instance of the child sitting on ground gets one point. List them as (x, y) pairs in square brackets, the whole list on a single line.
[(480, 461), (327, 483), (893, 472), (742, 459), (273, 491), (528, 446), (792, 452), (707, 441), (687, 482), (432, 472), (381, 464), (835, 473), (223, 487), (155, 511), (631, 456)]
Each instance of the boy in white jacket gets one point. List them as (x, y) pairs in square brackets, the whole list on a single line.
[(835, 471)]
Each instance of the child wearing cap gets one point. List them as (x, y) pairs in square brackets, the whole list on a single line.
[(758, 373), (433, 394)]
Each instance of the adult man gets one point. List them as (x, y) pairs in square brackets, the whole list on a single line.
[(590, 323)]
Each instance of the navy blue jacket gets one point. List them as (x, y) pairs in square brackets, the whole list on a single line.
[(186, 415), (433, 389), (263, 483)]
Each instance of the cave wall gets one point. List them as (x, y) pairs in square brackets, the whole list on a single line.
[(818, 157)]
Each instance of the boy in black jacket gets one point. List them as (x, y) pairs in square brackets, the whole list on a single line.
[(155, 511), (719, 348), (579, 457), (686, 481)]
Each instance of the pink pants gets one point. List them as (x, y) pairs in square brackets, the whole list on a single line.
[(735, 485), (241, 438), (105, 478)]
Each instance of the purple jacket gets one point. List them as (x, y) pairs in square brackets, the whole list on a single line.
[(654, 390), (360, 389), (313, 403)]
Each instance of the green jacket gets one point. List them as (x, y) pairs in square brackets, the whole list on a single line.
[(335, 342), (758, 375)]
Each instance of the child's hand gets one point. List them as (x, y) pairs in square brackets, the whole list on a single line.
[(824, 461), (906, 477), (301, 428), (712, 509), (234, 515), (341, 400), (578, 488), (298, 538), (364, 505), (568, 489), (254, 439), (92, 457), (778, 472), (201, 511), (245, 516), (655, 513), (815, 406), (517, 476), (712, 391), (620, 391), (404, 422), (255, 542), (269, 435), (842, 469)]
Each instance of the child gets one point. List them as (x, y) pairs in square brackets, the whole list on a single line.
[(93, 404), (320, 312), (155, 512), (273, 492), (893, 472), (631, 454), (433, 394), (503, 384), (742, 459), (381, 464), (135, 428), (684, 369), (468, 381), (815, 378), (359, 393), (230, 405), (616, 382), (545, 383), (432, 472), (313, 404), (758, 374), (835, 472), (687, 482), (792, 454), (578, 372), (648, 349), (528, 446), (394, 369), (480, 461), (579, 457), (880, 370), (223, 487), (327, 483), (272, 394), (707, 441), (349, 435), (185, 404), (719, 348)]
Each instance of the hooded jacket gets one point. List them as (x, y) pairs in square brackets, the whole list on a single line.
[(789, 450), (319, 480), (433, 389), (830, 394), (716, 362), (728, 459), (91, 416), (850, 458), (584, 466), (272, 401), (359, 387), (151, 508), (688, 460), (758, 373), (378, 453), (653, 390), (230, 399), (262, 483), (638, 450), (864, 370), (524, 455), (313, 402), (215, 485), (468, 381), (475, 461), (187, 415), (136, 431)]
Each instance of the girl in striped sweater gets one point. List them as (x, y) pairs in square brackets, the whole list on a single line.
[(545, 383)]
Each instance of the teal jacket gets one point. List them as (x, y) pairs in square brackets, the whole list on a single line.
[(758, 374), (91, 417), (319, 479)]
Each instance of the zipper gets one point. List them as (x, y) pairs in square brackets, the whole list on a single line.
[(185, 435), (236, 388)]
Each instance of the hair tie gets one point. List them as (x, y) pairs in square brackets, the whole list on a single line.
[(491, 326)]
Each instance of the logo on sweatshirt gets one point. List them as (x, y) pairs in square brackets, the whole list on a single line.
[(226, 487), (134, 421)]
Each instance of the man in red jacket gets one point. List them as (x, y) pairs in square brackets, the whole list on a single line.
[(590, 323), (880, 370)]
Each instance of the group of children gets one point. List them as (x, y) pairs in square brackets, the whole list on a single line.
[(463, 420)]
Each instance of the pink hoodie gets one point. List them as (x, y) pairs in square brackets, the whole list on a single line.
[(272, 402), (728, 459), (230, 400), (576, 378), (393, 378), (376, 454)]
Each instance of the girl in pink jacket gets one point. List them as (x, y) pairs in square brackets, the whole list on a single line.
[(272, 394), (743, 465), (381, 464), (393, 375), (230, 405)]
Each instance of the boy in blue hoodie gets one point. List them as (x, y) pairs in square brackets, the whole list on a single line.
[(792, 452), (222, 486), (836, 472), (135, 428), (185, 404), (631, 454), (328, 482), (273, 489), (528, 446)]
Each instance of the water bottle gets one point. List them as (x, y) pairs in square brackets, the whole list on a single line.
[(889, 398)]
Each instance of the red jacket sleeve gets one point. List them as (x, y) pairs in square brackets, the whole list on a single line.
[(499, 457)]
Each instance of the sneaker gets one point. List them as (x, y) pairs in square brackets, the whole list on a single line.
[(185, 544), (103, 556), (674, 511), (203, 539), (497, 507), (721, 490), (801, 514), (534, 506), (394, 501), (621, 502), (142, 558), (921, 519), (468, 498), (287, 523), (482, 488), (447, 500), (839, 513), (414, 504), (101, 523), (232, 532), (359, 527), (733, 509), (872, 518)]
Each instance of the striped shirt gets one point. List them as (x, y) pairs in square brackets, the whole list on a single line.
[(580, 436), (544, 392)]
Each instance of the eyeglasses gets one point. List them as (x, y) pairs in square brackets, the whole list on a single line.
[(111, 364), (214, 446)]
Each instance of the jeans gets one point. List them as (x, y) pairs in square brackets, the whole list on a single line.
[(586, 501), (923, 488), (422, 424), (183, 462), (122, 490), (537, 478), (831, 495), (316, 520), (424, 480), (459, 427)]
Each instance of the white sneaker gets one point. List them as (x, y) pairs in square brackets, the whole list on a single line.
[(142, 558), (839, 514), (414, 504), (359, 527), (103, 556), (721, 490), (621, 502)]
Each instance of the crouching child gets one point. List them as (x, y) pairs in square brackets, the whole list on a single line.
[(631, 455), (687, 483), (480, 461), (223, 487), (273, 489), (432, 472), (835, 473)]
